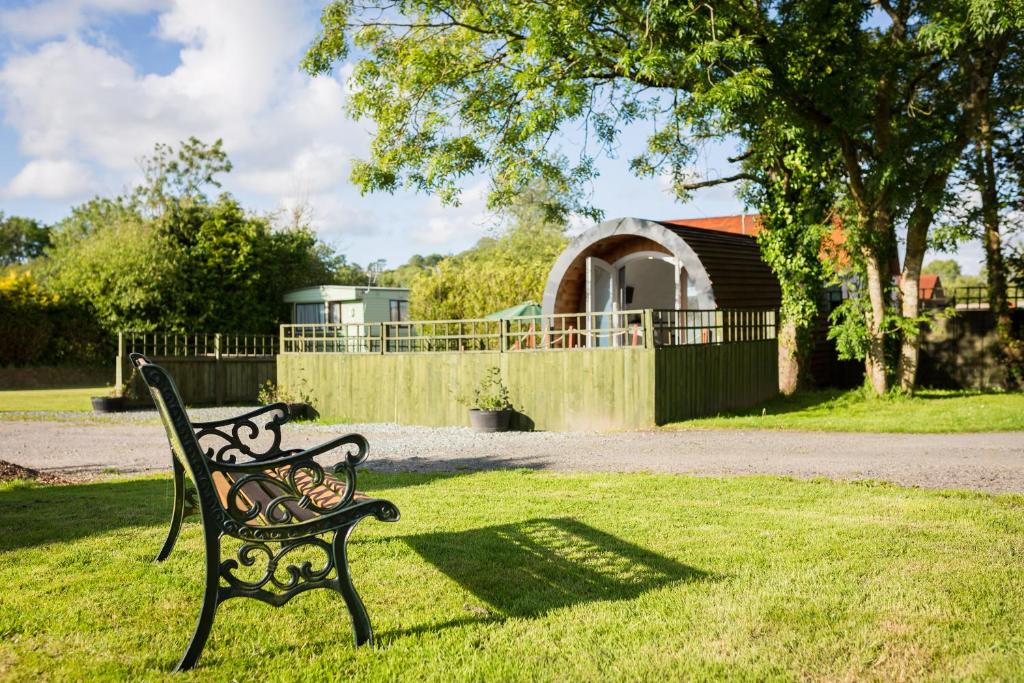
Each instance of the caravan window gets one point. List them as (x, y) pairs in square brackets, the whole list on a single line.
[(399, 311), (309, 314)]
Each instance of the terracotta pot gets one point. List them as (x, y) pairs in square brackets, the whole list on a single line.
[(108, 404), (489, 420)]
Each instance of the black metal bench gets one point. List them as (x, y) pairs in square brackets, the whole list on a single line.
[(277, 502)]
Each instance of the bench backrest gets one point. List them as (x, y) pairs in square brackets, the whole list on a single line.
[(180, 434)]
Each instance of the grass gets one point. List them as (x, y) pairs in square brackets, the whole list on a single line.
[(529, 576), (929, 410), (67, 399)]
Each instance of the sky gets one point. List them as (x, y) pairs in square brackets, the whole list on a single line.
[(88, 87)]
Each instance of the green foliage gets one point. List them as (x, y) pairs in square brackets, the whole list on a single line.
[(274, 393), (40, 327), (848, 328), (949, 273), (21, 239), (345, 273), (491, 393), (796, 192), (168, 257), (177, 179), (498, 272), (405, 274)]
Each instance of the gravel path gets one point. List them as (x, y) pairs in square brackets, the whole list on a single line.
[(76, 445)]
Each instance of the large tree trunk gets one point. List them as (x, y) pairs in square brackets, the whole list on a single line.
[(791, 359), (1013, 349), (910, 292), (874, 361)]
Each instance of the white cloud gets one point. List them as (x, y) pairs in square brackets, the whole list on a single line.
[(51, 179), (62, 17), (73, 99), (442, 226)]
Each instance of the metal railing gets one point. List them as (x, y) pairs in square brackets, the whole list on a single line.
[(202, 345), (606, 329)]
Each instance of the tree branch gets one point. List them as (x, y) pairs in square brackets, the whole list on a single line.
[(696, 185)]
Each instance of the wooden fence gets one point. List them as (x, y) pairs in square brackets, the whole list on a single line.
[(968, 298), (614, 329), (209, 369), (621, 373)]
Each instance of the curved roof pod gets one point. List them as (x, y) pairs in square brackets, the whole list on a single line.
[(740, 277), (724, 270)]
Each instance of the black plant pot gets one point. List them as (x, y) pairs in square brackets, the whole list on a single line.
[(489, 420), (298, 411), (108, 404)]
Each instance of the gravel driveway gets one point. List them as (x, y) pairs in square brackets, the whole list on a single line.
[(987, 462)]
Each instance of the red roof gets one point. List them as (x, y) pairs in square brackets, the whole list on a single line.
[(750, 224), (929, 285), (740, 224)]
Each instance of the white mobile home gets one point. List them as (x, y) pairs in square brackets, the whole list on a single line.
[(344, 304)]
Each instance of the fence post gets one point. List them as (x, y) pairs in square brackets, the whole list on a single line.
[(502, 335), (648, 328), (383, 338), (218, 372), (119, 369)]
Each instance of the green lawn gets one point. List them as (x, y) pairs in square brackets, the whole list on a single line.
[(75, 398), (833, 410), (533, 576)]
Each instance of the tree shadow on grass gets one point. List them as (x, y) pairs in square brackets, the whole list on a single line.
[(35, 515), (529, 568)]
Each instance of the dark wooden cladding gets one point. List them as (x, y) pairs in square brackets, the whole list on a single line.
[(209, 381), (739, 276)]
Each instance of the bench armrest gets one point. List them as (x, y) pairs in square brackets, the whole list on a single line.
[(290, 458)]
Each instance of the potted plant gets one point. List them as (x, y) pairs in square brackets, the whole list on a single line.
[(490, 409), (300, 406), (115, 401)]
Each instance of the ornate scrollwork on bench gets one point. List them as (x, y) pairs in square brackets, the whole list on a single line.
[(297, 578), (247, 435)]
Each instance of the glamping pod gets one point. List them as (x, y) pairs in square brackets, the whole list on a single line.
[(632, 264)]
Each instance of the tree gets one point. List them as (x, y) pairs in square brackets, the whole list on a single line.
[(994, 168), (498, 272), (167, 256), (796, 192), (40, 328), (457, 88), (21, 239), (405, 274)]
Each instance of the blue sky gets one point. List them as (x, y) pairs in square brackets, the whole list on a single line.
[(89, 86)]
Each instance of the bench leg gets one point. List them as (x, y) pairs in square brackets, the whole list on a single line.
[(176, 513), (360, 619), (210, 601)]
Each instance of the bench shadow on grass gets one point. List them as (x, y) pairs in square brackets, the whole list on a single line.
[(39, 514), (529, 568)]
